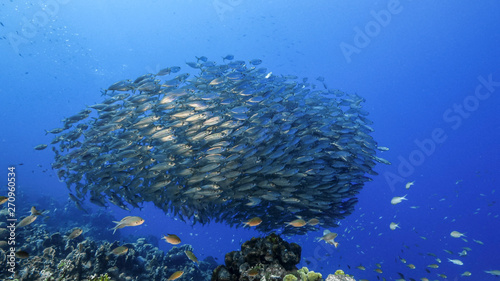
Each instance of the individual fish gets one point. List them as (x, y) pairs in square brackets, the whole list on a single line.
[(394, 225), (253, 221), (456, 234), (191, 256), (121, 250), (228, 57), (493, 272), (35, 212), (397, 200), (409, 184), (297, 223), (172, 239), (313, 222), (127, 221), (253, 272), (329, 237), (3, 199), (176, 275), (455, 261), (26, 221), (22, 255), (41, 147), (360, 267), (75, 233)]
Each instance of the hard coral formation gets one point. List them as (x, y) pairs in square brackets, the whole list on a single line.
[(290, 277), (270, 258), (306, 275), (339, 277)]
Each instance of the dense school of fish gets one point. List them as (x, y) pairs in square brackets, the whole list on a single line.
[(233, 142)]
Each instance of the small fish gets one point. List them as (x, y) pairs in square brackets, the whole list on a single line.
[(128, 221), (253, 272), (409, 184), (75, 233), (313, 222), (255, 62), (297, 223), (478, 242), (456, 234), (253, 221), (175, 275), (394, 225), (22, 255), (433, 266), (467, 273), (360, 267), (191, 256), (493, 272), (228, 57), (41, 147), (397, 200), (329, 237), (35, 212), (378, 270), (3, 199), (411, 266), (457, 262), (26, 221), (172, 239), (121, 250)]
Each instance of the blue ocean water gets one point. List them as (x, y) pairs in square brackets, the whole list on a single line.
[(429, 72)]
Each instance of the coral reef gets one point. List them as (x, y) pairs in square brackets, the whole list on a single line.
[(270, 258), (53, 257), (306, 275), (290, 277), (339, 277), (267, 259)]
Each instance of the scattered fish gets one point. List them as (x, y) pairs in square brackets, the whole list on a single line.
[(191, 256), (175, 275), (456, 234), (455, 261), (394, 225), (26, 221), (172, 239), (409, 184), (22, 255), (128, 221), (121, 250), (397, 200), (75, 233)]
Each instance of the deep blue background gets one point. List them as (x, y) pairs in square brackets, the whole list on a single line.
[(427, 58)]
